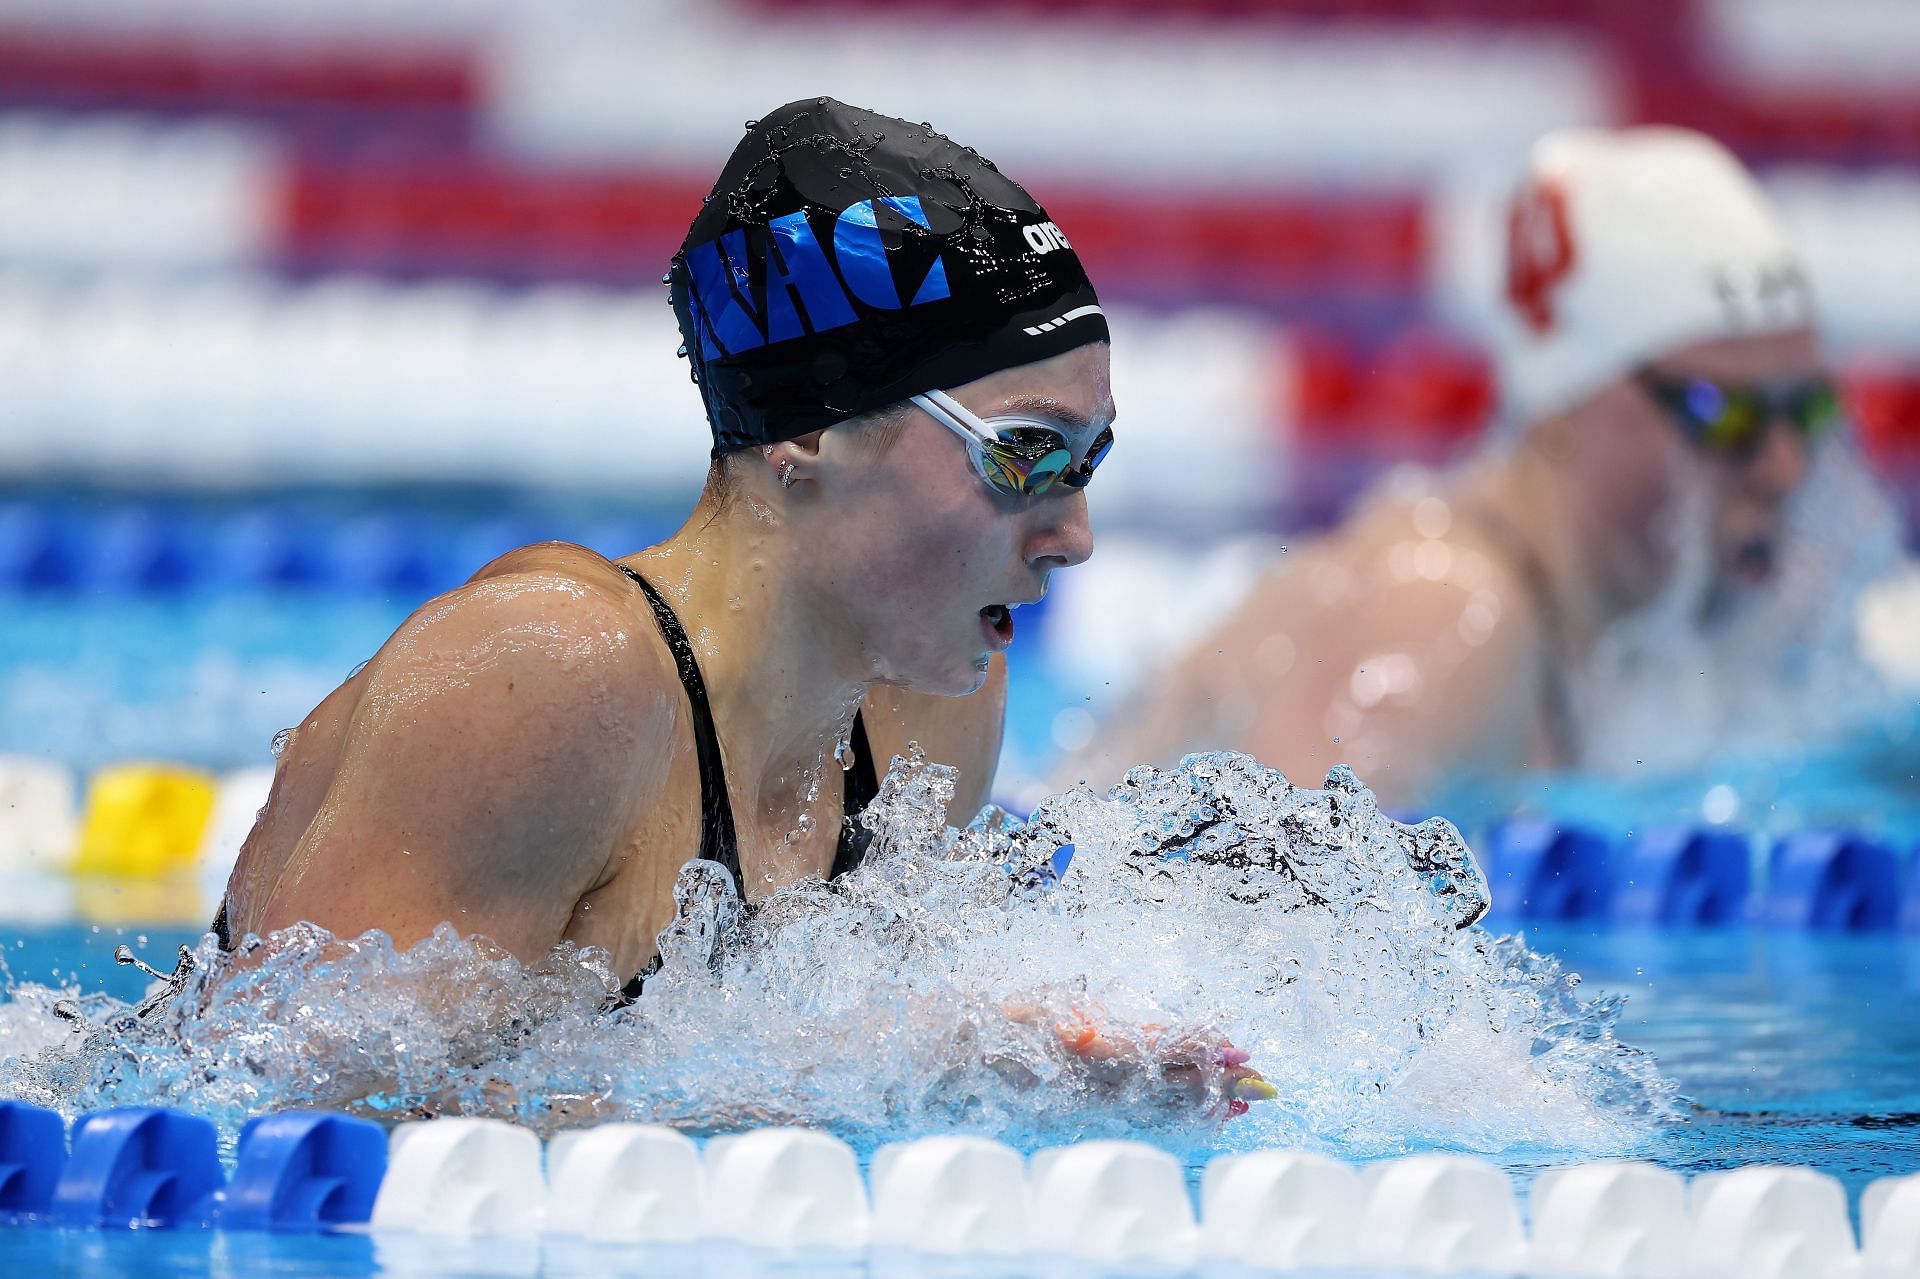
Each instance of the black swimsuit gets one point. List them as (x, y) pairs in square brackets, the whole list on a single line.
[(717, 840)]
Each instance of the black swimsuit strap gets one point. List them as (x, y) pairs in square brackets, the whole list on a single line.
[(859, 789), (717, 839)]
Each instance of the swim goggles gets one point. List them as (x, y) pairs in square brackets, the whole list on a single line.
[(1017, 455), (1732, 420)]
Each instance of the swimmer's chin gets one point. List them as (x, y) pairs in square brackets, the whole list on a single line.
[(963, 684)]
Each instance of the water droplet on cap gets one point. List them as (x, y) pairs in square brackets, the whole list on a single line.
[(666, 277), (682, 352), (751, 124)]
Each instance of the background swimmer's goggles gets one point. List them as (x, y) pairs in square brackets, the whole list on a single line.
[(1732, 420), (1018, 455)]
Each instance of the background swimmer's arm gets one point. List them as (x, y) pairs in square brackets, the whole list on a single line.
[(1406, 688), (504, 738), (1405, 685), (962, 731)]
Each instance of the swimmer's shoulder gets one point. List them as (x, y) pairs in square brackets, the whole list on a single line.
[(557, 625), (558, 561)]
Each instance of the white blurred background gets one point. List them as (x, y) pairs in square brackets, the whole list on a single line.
[(308, 307)]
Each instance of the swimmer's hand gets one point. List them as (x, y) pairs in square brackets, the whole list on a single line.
[(1202, 1068)]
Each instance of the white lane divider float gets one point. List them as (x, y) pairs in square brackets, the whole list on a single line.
[(238, 801), (1440, 1214), (787, 1188), (950, 1195), (1769, 1223), (462, 1177), (1114, 1201), (625, 1183), (39, 808), (480, 1185), (1610, 1219), (1279, 1210), (1890, 1227)]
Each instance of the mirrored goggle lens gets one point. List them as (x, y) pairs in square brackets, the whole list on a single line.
[(1733, 420), (1082, 475), (1020, 470)]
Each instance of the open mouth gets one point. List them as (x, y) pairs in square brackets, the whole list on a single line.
[(1754, 559), (996, 620)]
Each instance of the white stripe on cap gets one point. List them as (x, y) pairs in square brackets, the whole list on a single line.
[(1078, 312)]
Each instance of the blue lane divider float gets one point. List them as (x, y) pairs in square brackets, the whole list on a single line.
[(33, 1147), (303, 1172), (1540, 870), (1681, 877), (1832, 880), (477, 1185), (65, 543), (1910, 901), (1689, 877), (139, 1166)]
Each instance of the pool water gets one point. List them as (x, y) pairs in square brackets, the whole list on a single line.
[(1793, 1048)]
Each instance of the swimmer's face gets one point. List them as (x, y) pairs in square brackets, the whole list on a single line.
[(917, 551), (1750, 491), (1635, 464)]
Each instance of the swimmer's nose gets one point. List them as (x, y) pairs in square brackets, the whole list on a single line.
[(1781, 464), (1061, 537)]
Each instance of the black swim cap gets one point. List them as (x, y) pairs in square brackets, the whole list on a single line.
[(846, 261)]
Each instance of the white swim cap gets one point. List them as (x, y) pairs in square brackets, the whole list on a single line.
[(1625, 244)]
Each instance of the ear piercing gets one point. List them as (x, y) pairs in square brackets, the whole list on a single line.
[(786, 474)]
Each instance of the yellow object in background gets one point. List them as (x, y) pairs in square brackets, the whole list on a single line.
[(143, 820), (175, 898)]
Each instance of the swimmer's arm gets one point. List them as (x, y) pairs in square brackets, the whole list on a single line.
[(1465, 709), (503, 739), (964, 732)]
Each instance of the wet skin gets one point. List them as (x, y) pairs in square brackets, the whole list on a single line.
[(518, 758), (1410, 642), (1634, 461)]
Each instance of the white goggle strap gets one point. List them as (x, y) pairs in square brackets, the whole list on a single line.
[(953, 415)]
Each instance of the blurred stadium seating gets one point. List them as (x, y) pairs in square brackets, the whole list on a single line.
[(255, 241), (333, 300)]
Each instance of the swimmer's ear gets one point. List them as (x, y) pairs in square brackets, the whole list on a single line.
[(796, 460)]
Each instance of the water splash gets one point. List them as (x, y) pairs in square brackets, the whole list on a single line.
[(1762, 671), (929, 990)]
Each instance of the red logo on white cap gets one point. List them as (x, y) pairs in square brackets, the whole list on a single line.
[(1539, 252)]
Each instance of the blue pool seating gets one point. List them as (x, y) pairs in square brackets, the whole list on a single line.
[(459, 1182)]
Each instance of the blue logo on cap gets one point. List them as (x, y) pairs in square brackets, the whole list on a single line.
[(800, 279)]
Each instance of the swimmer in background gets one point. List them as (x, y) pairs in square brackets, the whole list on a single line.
[(1668, 392), (906, 373)]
